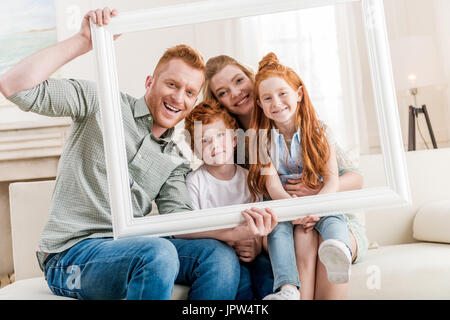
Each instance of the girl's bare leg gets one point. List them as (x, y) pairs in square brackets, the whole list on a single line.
[(325, 290), (306, 246)]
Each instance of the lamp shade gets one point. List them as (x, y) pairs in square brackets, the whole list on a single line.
[(416, 63)]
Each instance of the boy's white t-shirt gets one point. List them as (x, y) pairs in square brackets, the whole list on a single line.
[(206, 191)]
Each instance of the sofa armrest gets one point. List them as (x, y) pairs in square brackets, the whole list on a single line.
[(30, 207)]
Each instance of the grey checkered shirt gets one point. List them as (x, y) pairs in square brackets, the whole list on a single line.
[(80, 206)]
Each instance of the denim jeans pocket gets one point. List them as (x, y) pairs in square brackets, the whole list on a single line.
[(50, 261)]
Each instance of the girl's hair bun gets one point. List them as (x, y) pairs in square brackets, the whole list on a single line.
[(269, 61)]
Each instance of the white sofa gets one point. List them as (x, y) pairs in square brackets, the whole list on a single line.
[(409, 256)]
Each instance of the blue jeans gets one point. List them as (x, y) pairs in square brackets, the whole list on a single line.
[(256, 279), (282, 255), (334, 227), (143, 268)]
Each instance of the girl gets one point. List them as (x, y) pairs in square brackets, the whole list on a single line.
[(229, 82), (299, 148)]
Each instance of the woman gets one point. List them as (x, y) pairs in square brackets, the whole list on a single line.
[(231, 84)]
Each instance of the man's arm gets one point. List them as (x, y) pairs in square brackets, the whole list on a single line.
[(173, 195), (258, 223), (39, 66), (27, 85)]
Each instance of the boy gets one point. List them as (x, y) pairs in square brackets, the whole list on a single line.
[(219, 182)]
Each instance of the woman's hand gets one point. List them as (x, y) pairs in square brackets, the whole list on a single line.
[(307, 222), (298, 188), (259, 223)]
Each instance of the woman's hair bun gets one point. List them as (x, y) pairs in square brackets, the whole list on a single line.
[(270, 60)]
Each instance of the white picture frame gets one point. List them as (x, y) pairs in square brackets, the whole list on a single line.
[(396, 193)]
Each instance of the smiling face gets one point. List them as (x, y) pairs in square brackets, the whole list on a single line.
[(278, 100), (217, 143), (171, 94), (233, 89)]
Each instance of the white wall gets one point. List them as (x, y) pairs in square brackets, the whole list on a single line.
[(442, 11), (410, 18)]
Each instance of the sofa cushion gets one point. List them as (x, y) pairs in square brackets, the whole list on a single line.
[(432, 222), (37, 289), (406, 271), (29, 289)]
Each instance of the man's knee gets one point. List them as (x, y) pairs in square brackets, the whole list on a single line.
[(160, 254), (223, 258)]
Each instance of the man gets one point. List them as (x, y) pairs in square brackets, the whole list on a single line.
[(76, 251)]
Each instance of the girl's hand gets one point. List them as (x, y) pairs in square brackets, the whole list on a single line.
[(307, 222), (298, 188), (259, 223)]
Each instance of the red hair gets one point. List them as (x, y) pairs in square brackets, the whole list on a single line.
[(314, 145), (207, 112), (187, 54)]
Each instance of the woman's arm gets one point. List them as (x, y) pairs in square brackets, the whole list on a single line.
[(350, 180), (331, 180), (274, 186)]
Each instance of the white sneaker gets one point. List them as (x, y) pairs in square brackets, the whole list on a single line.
[(336, 258), (286, 293)]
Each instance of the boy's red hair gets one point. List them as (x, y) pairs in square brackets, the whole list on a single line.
[(207, 112)]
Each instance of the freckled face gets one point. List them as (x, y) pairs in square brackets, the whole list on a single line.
[(217, 143), (277, 99), (233, 89)]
